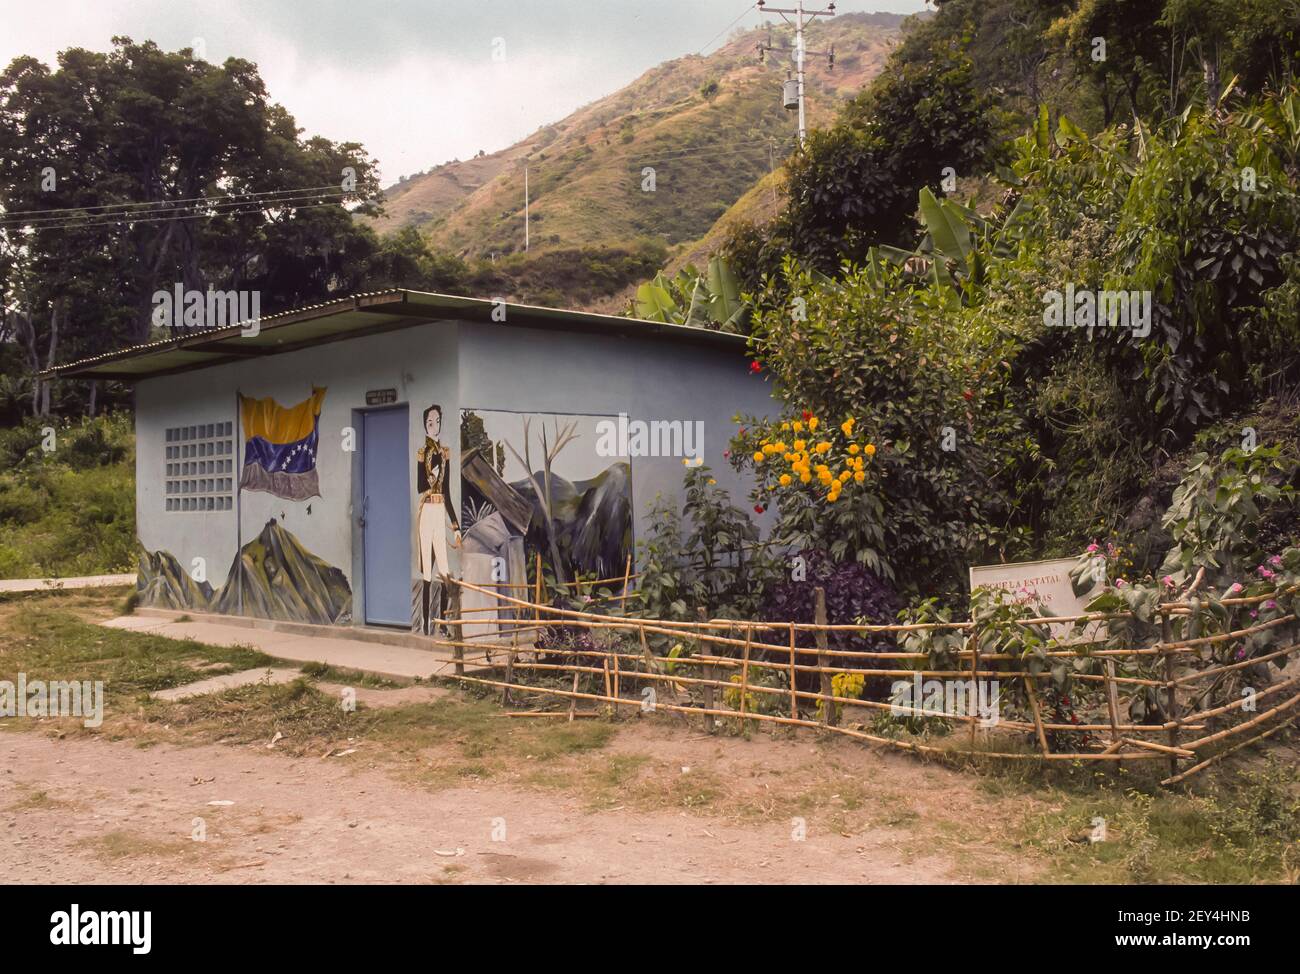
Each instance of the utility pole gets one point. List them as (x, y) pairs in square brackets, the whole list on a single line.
[(525, 206), (802, 17)]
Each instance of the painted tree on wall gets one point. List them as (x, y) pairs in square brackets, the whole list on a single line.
[(561, 437)]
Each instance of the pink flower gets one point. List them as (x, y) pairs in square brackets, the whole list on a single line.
[(1265, 573), (1093, 548), (1276, 561), (1271, 604), (1168, 581), (1233, 589), (1120, 583)]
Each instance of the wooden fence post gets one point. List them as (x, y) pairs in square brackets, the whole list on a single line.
[(974, 679), (1112, 706), (1171, 713), (458, 650), (1032, 691), (744, 669), (709, 722), (794, 676), (824, 660), (510, 668)]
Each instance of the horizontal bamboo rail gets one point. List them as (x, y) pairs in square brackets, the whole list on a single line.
[(735, 674)]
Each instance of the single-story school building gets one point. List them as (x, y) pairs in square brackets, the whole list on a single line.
[(330, 464)]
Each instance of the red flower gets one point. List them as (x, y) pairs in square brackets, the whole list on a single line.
[(968, 395), (755, 367), (807, 415), (758, 508)]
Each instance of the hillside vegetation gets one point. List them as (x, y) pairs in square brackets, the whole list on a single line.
[(67, 497), (710, 126)]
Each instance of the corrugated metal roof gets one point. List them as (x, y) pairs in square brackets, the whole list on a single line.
[(353, 317)]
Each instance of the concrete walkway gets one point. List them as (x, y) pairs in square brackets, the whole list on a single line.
[(80, 581), (355, 654), (228, 681)]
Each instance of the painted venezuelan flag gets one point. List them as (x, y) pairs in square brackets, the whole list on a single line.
[(280, 446)]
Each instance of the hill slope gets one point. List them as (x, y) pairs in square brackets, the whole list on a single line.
[(710, 127)]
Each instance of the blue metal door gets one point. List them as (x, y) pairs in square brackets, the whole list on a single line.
[(386, 517)]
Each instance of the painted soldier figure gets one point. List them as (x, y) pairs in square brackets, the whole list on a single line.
[(433, 477)]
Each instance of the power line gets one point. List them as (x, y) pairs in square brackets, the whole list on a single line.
[(189, 199), (74, 225), (166, 212), (725, 29)]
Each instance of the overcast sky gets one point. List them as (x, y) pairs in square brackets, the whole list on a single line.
[(415, 81)]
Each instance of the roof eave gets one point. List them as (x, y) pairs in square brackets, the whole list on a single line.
[(407, 308)]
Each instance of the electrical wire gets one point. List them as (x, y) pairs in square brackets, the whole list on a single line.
[(189, 199)]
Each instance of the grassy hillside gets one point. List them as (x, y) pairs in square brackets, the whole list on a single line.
[(710, 126)]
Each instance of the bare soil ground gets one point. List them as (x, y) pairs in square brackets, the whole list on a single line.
[(91, 810), (434, 783)]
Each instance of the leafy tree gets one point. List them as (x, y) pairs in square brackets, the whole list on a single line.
[(123, 173)]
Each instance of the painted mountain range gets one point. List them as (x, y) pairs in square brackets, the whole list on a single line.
[(274, 575)]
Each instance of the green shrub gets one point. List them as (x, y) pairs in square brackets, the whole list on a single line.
[(71, 510)]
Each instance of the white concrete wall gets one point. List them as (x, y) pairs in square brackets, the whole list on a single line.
[(418, 362), (651, 378), (499, 368)]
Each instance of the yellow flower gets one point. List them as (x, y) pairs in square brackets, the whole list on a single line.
[(859, 477), (853, 449), (870, 449), (758, 457), (847, 426), (845, 475), (712, 481), (805, 477), (857, 464), (832, 497), (798, 426), (812, 424), (785, 426), (823, 447), (786, 480), (800, 444)]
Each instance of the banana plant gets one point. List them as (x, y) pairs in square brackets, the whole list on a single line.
[(709, 300), (958, 243)]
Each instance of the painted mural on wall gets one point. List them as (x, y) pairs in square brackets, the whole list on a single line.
[(537, 484), (435, 513), (274, 576), (280, 446)]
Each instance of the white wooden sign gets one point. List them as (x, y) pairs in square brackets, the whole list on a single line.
[(1048, 580)]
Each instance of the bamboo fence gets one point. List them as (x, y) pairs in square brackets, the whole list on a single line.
[(741, 670)]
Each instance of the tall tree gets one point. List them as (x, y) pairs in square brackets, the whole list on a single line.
[(129, 172)]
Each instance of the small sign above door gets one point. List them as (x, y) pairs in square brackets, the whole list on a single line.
[(380, 397)]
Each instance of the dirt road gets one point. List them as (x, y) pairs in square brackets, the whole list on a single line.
[(80, 810)]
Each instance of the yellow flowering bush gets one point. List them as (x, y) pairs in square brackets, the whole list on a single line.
[(822, 487), (833, 462)]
